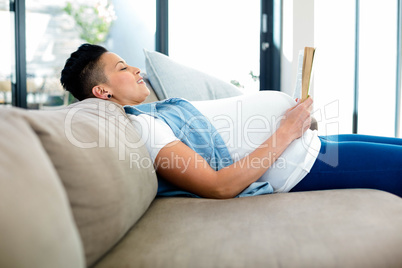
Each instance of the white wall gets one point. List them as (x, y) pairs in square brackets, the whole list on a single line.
[(298, 32)]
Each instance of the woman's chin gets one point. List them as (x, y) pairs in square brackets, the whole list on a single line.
[(145, 96)]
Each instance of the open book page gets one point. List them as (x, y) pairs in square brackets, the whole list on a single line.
[(297, 93), (304, 73)]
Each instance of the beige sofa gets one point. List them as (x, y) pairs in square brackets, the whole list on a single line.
[(77, 189)]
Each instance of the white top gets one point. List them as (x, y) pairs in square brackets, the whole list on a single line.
[(155, 133), (245, 122)]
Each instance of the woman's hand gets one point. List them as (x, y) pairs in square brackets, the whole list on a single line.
[(297, 119)]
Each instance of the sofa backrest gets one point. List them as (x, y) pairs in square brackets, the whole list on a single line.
[(37, 228), (103, 165)]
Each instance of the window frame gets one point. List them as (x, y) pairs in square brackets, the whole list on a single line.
[(18, 81)]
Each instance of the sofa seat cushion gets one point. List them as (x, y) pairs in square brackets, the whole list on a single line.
[(336, 228), (37, 228), (104, 166)]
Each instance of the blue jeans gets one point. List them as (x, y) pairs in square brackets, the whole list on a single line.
[(356, 161)]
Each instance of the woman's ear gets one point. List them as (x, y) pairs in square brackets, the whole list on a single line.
[(100, 92)]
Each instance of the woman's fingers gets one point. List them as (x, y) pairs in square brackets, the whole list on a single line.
[(298, 118), (308, 102)]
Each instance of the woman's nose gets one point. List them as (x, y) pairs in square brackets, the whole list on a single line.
[(136, 70)]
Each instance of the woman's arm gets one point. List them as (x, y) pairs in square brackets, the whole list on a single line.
[(183, 167)]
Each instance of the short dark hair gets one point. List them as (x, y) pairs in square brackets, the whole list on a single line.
[(83, 71)]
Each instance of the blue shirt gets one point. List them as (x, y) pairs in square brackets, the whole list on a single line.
[(193, 129)]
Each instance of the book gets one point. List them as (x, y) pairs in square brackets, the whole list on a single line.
[(304, 73)]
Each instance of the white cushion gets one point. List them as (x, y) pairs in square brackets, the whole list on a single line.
[(171, 79)]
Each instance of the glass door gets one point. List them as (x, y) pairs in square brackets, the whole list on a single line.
[(54, 29), (50, 38), (6, 52)]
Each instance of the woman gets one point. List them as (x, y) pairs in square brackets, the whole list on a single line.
[(182, 165)]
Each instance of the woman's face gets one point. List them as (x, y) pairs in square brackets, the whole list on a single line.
[(124, 81)]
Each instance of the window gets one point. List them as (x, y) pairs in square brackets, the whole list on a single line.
[(50, 38), (133, 30), (6, 52), (357, 51), (52, 34), (377, 63), (221, 38), (334, 66)]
